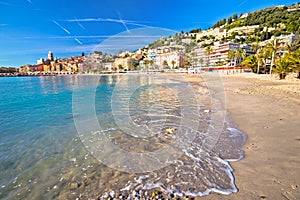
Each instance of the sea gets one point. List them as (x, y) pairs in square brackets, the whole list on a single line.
[(115, 136)]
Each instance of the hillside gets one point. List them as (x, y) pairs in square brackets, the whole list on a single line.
[(274, 21), (285, 19)]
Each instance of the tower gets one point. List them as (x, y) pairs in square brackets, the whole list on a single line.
[(50, 56)]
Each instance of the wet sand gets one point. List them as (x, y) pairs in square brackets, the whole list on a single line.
[(267, 110)]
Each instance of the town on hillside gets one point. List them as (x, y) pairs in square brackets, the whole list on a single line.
[(261, 42)]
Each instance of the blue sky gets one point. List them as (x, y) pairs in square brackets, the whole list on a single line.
[(31, 28)]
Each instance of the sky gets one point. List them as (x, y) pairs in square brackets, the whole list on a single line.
[(29, 29)]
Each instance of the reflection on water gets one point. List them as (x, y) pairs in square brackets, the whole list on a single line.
[(42, 156)]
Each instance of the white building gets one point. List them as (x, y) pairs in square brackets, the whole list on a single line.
[(219, 54), (173, 59)]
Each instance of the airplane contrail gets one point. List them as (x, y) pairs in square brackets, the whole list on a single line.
[(122, 22), (79, 24), (79, 42), (60, 26), (243, 2), (97, 20), (30, 1), (100, 36), (108, 20)]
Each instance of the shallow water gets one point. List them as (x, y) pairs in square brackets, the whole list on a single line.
[(42, 156)]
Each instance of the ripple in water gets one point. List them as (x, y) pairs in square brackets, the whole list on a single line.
[(196, 172), (68, 171)]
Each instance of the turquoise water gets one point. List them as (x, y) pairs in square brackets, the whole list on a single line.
[(36, 123), (43, 157)]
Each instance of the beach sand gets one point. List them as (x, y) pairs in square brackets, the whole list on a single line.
[(267, 110)]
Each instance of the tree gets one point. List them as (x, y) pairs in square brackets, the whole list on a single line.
[(186, 63), (251, 61), (283, 67), (114, 68), (272, 49), (231, 55), (208, 51), (295, 61), (235, 17), (290, 47), (173, 63), (296, 42), (240, 54), (120, 67), (259, 56), (255, 46), (165, 64), (265, 55)]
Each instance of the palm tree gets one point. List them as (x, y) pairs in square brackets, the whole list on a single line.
[(259, 56), (266, 55), (208, 51), (283, 67), (251, 61), (272, 48), (186, 63), (243, 54), (240, 54), (290, 47), (165, 63), (295, 61), (255, 46), (173, 63), (231, 55), (296, 42)]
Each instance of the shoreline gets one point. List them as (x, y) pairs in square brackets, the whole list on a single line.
[(266, 110)]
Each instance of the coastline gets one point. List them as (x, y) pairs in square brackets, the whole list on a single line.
[(266, 110)]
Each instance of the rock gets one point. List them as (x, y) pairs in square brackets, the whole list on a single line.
[(170, 131), (74, 185), (294, 187)]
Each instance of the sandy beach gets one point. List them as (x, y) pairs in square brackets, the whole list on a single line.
[(267, 110)]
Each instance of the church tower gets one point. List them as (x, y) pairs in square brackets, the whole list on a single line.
[(50, 56)]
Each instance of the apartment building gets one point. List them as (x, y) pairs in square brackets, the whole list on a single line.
[(219, 54)]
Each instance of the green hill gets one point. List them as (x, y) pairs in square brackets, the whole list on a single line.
[(286, 19)]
